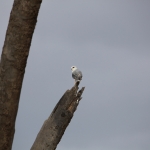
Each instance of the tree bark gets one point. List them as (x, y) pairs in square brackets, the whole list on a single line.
[(54, 127), (18, 38)]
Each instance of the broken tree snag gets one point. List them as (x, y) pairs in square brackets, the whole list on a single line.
[(54, 127)]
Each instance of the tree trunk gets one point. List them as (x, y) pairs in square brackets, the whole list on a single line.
[(54, 127), (18, 38)]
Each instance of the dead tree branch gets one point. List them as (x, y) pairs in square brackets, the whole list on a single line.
[(54, 127), (15, 52)]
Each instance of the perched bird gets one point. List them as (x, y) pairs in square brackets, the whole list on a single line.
[(76, 74)]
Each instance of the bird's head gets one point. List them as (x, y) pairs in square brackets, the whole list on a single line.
[(73, 68)]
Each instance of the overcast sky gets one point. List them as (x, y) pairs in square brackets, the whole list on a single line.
[(109, 41)]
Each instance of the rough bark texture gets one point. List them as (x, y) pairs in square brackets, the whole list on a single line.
[(54, 127), (21, 26)]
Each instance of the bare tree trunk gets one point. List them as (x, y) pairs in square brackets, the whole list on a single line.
[(18, 38), (54, 127)]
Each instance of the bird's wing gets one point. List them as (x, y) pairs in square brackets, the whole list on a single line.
[(77, 75)]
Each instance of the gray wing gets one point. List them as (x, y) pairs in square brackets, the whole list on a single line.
[(77, 74)]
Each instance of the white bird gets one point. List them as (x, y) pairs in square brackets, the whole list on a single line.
[(76, 73)]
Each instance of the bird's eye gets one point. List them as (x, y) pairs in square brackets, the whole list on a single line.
[(72, 67)]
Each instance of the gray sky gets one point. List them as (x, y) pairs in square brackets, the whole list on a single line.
[(110, 42)]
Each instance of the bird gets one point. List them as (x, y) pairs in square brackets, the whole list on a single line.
[(76, 74)]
